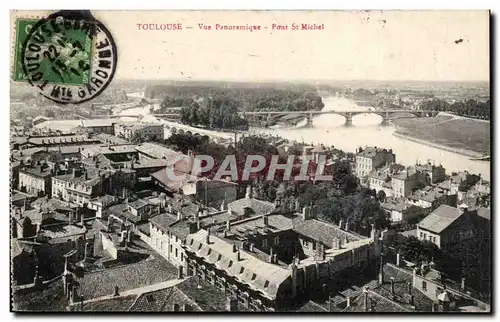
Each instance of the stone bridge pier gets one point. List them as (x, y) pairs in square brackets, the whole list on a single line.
[(309, 120), (348, 119), (386, 117)]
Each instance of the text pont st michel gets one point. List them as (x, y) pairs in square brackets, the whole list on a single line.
[(301, 26)]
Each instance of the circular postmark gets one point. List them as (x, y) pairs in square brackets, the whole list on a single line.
[(70, 57)]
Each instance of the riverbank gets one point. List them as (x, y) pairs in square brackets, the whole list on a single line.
[(467, 153), (448, 132)]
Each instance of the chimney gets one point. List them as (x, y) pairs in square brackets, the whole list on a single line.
[(275, 259), (348, 301), (74, 172), (365, 300), (398, 259), (340, 223), (414, 277), (265, 219), (208, 236), (408, 288), (340, 241), (232, 304), (179, 272), (271, 256), (335, 242), (252, 245), (463, 283), (234, 248), (238, 256), (82, 220), (392, 285), (347, 225), (179, 215), (123, 237)]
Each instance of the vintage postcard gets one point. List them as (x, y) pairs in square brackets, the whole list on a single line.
[(250, 161)]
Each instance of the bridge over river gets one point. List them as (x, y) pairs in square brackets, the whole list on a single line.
[(386, 115)]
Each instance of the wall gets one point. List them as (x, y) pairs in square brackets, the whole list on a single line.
[(109, 246)]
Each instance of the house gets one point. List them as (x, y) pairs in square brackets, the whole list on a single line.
[(401, 211), (447, 226), (36, 180), (61, 140), (99, 126), (250, 206), (156, 151), (372, 158), (431, 197), (80, 186), (214, 193), (435, 173), (404, 182), (101, 204), (144, 131)]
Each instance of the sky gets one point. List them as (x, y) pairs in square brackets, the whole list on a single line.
[(354, 45)]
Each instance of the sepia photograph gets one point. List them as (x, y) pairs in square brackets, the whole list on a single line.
[(314, 161)]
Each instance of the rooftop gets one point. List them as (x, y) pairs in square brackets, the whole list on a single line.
[(126, 277), (371, 152), (257, 206), (321, 231), (439, 219), (259, 275), (157, 151), (97, 122)]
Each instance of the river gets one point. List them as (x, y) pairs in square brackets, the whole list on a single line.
[(329, 129)]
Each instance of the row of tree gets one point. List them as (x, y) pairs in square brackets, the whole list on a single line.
[(468, 108)]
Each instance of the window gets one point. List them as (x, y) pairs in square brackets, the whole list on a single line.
[(305, 243), (424, 285), (264, 243), (171, 248), (182, 257), (276, 240)]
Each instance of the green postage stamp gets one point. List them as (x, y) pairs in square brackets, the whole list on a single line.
[(63, 56)]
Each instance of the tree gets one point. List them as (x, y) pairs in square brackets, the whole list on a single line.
[(415, 250), (381, 196)]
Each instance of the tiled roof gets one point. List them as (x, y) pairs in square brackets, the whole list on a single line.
[(374, 303), (321, 231), (173, 184), (111, 149), (157, 151), (108, 138), (371, 152), (440, 219), (97, 122), (114, 304), (484, 212), (127, 277), (161, 300), (206, 296), (60, 139), (164, 220), (397, 206), (38, 171), (311, 306), (276, 222), (258, 206), (259, 275)]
